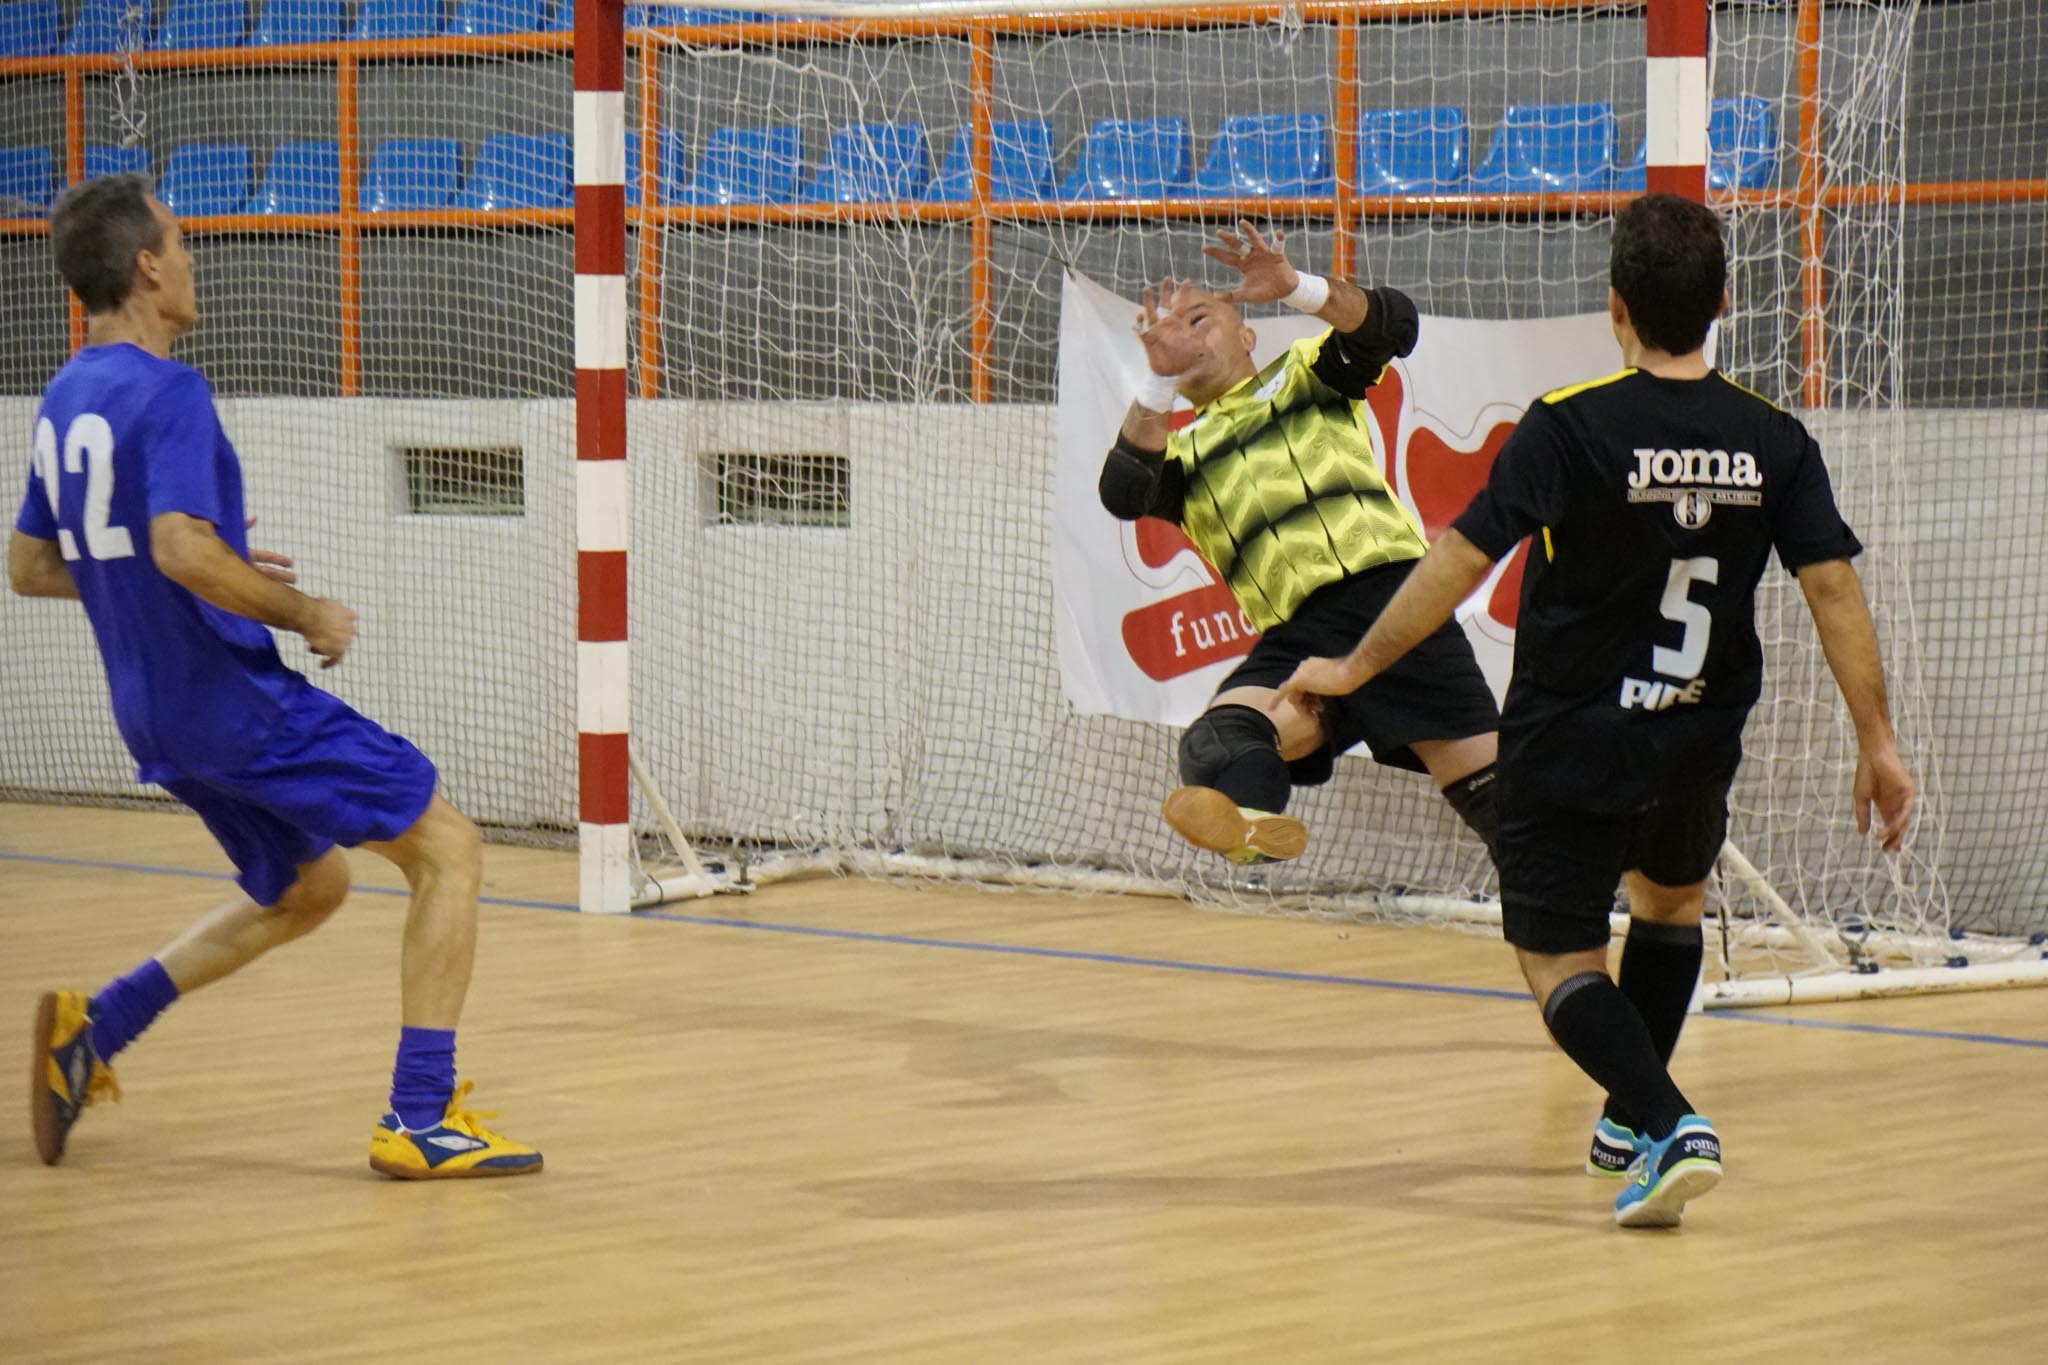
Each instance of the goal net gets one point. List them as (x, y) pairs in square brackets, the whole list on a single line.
[(846, 365), (381, 237)]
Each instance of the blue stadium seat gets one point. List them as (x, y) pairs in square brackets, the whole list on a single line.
[(675, 16), (407, 174), (1634, 174), (1131, 159), (519, 171), (303, 177), (28, 175), (672, 161), (561, 18), (748, 166), (496, 16), (297, 21), (103, 158), (1550, 147), (30, 28), (202, 178), (869, 163), (202, 23), (397, 19), (1412, 151), (1020, 163), (1743, 144), (100, 27), (1257, 155)]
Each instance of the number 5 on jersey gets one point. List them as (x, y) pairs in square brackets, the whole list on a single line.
[(1685, 662), (88, 448)]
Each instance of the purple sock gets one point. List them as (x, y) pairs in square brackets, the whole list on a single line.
[(424, 1078), (128, 1005)]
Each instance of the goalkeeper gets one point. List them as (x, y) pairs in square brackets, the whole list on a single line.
[(1277, 483)]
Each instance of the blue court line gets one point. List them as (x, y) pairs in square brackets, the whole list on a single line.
[(98, 866), (1078, 955), (1891, 1030)]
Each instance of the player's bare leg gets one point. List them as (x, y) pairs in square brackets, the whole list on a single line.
[(1464, 775), (1234, 769), (77, 1036), (1449, 761), (429, 1135), (240, 932), (441, 857), (1654, 904)]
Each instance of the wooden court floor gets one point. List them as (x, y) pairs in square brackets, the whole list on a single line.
[(862, 1122)]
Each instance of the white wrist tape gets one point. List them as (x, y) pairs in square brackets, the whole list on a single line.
[(1310, 295), (1156, 392)]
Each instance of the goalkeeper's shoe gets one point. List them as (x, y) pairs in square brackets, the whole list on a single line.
[(1614, 1147), (1666, 1174), (457, 1147), (68, 1074), (1208, 819)]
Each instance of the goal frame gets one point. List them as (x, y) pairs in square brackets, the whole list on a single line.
[(1677, 48)]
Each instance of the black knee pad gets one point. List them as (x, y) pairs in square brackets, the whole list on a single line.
[(1475, 797), (1220, 737), (1236, 749)]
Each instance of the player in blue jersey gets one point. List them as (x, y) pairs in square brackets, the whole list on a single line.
[(134, 507)]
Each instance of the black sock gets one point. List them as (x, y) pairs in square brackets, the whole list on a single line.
[(1601, 1031), (1474, 798), (1236, 750), (1660, 965)]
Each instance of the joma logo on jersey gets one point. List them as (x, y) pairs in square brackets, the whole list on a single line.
[(1660, 696), (1715, 468), (1692, 481)]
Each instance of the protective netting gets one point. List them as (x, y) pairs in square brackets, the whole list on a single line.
[(842, 450), (932, 722), (392, 361)]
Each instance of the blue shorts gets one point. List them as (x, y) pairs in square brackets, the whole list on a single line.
[(328, 776)]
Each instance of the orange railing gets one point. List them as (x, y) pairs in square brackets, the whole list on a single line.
[(1809, 198)]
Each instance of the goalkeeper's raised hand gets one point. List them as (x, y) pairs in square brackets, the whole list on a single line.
[(1264, 273), (1170, 343)]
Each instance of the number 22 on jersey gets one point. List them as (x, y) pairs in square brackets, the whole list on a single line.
[(88, 448)]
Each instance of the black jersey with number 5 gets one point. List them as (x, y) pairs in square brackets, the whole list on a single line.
[(1655, 504)]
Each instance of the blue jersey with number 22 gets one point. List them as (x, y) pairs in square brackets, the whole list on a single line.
[(123, 437)]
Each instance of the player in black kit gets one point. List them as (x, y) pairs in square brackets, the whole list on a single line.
[(1657, 495)]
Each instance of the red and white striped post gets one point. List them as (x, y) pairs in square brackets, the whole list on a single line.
[(604, 779), (1676, 145)]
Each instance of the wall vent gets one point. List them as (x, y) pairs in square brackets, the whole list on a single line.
[(464, 481), (808, 489)]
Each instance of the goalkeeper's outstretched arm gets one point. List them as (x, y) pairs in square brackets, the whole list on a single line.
[(1368, 327), (1137, 479)]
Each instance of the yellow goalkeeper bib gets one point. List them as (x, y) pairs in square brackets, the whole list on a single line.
[(1285, 493)]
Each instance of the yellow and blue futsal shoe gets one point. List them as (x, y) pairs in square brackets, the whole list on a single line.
[(68, 1075), (458, 1147), (1666, 1174), (1208, 819), (1614, 1147)]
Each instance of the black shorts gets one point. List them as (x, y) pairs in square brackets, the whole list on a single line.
[(1435, 691), (1559, 868)]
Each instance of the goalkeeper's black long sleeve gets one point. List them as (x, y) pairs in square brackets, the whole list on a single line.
[(1140, 483)]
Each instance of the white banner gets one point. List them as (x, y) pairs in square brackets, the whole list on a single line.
[(1146, 628)]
